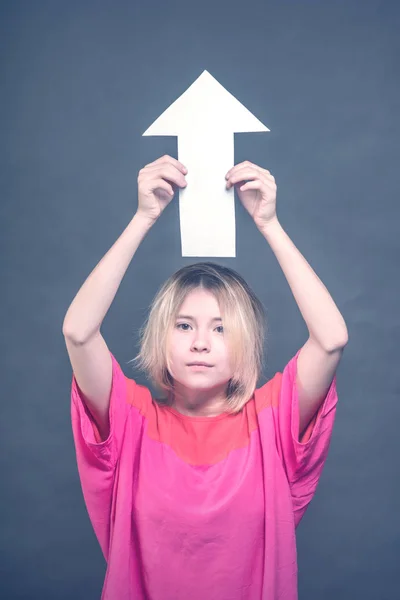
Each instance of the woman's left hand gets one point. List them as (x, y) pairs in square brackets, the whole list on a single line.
[(258, 195)]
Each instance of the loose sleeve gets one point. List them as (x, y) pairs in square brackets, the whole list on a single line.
[(90, 449), (303, 457), (96, 459)]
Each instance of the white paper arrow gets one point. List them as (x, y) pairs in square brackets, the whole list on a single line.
[(205, 118)]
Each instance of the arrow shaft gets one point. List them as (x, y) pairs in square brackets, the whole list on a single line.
[(206, 207)]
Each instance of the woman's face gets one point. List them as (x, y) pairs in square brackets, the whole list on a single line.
[(197, 335)]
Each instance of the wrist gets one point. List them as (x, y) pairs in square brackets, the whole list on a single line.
[(270, 226), (143, 219)]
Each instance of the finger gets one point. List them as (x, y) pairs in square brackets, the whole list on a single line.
[(257, 184), (251, 185), (245, 165), (169, 172), (236, 169), (169, 159), (251, 174), (174, 174), (164, 185), (243, 174)]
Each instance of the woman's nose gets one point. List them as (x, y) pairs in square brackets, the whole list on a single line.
[(200, 343), (199, 346)]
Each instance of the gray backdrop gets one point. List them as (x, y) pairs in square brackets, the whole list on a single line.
[(80, 83)]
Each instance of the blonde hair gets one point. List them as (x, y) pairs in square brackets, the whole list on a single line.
[(244, 322)]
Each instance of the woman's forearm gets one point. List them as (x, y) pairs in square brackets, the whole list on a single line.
[(324, 321), (90, 305)]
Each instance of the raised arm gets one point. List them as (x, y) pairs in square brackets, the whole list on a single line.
[(88, 352), (87, 349)]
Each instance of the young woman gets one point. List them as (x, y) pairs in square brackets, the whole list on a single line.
[(197, 494)]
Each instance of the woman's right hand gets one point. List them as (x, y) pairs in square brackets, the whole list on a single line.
[(156, 185)]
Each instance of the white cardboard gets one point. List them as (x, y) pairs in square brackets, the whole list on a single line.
[(205, 118)]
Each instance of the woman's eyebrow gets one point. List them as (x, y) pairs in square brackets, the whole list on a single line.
[(193, 318)]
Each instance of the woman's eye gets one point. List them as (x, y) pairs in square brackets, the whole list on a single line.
[(184, 325)]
